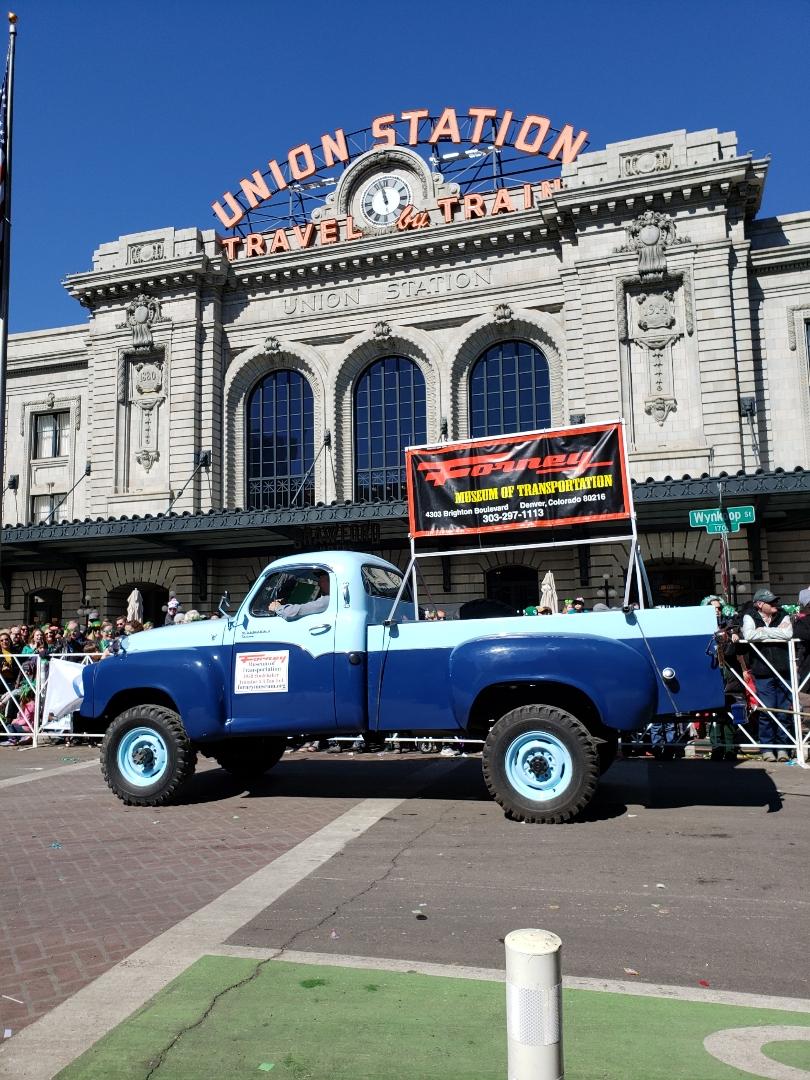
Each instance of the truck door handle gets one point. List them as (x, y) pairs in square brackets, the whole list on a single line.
[(320, 629)]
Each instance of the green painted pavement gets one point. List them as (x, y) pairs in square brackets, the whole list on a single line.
[(229, 1018)]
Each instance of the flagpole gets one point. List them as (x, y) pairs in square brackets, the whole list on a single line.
[(6, 253)]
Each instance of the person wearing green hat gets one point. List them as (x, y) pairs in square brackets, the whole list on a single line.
[(767, 626), (727, 637)]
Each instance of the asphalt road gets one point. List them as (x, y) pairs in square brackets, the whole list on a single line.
[(682, 872), (686, 872)]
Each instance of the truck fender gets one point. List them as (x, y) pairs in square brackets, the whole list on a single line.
[(618, 680), (194, 681)]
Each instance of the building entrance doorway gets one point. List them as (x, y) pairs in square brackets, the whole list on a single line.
[(513, 585), (679, 582), (155, 597)]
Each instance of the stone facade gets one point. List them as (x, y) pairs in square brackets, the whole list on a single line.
[(647, 282)]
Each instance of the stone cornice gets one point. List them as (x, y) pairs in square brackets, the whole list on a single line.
[(789, 259), (439, 242), (97, 286), (744, 174)]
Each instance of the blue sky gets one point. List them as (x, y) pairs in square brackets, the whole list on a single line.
[(137, 115)]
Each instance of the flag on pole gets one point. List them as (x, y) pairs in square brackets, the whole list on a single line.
[(6, 110), (3, 155)]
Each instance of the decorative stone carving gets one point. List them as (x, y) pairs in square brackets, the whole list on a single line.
[(656, 311), (650, 235), (52, 403), (657, 326), (141, 388), (272, 345), (659, 408), (503, 314), (149, 251), (149, 377), (801, 310), (147, 458), (647, 161), (381, 331), (141, 315)]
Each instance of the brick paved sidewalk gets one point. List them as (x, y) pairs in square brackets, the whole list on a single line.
[(86, 880)]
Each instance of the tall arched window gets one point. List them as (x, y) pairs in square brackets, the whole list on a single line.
[(389, 414), (280, 442), (510, 390)]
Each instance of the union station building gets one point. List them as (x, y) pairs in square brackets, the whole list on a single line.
[(228, 399)]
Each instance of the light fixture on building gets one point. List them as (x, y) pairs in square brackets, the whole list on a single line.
[(13, 482), (748, 406), (576, 418), (475, 152)]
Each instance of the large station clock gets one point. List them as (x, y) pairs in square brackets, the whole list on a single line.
[(383, 199)]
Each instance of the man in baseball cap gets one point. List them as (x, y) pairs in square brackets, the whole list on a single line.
[(768, 628)]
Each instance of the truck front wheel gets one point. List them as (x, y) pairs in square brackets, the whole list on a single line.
[(541, 764), (247, 758), (146, 756)]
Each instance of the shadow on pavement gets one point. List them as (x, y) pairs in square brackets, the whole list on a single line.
[(654, 785), (346, 778), (669, 784)]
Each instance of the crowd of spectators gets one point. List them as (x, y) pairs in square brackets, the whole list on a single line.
[(751, 650), (21, 645)]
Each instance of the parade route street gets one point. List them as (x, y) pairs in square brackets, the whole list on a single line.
[(684, 874)]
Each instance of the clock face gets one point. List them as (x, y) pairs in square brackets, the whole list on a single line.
[(384, 199)]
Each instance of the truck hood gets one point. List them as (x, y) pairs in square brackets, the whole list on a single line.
[(185, 636)]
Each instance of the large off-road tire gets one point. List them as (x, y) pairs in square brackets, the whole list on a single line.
[(146, 756), (541, 764), (248, 758)]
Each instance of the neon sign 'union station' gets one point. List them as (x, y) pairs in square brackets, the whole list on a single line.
[(264, 396)]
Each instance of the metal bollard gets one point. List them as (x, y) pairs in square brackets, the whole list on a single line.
[(533, 1005)]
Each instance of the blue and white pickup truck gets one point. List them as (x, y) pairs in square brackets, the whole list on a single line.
[(318, 648)]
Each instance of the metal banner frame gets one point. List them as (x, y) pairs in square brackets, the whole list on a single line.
[(635, 564)]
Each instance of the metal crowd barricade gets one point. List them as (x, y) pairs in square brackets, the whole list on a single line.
[(13, 688), (41, 722), (789, 721), (792, 722)]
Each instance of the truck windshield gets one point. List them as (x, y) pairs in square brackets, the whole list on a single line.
[(297, 586)]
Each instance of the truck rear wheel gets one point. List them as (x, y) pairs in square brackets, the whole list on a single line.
[(146, 756), (541, 764), (249, 758)]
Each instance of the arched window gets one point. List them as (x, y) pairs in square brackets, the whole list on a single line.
[(42, 605), (389, 414), (513, 585), (280, 442), (155, 598), (510, 390)]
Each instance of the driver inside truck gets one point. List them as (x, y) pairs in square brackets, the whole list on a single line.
[(319, 602)]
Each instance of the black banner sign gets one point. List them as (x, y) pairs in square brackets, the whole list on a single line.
[(546, 479)]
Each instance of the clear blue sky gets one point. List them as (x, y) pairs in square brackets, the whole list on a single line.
[(136, 114)]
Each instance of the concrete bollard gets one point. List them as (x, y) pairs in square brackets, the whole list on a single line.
[(534, 1005)]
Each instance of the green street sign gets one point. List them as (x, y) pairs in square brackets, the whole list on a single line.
[(729, 519)]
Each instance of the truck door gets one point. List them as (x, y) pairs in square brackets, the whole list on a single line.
[(283, 668)]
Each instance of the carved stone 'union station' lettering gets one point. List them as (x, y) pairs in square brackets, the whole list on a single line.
[(410, 288)]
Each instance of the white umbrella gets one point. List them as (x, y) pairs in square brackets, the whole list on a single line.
[(548, 593), (135, 607)]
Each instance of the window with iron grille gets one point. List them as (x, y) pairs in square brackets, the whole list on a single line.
[(389, 414), (51, 434), (510, 390), (280, 443)]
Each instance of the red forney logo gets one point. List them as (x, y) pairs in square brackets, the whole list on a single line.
[(439, 472)]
